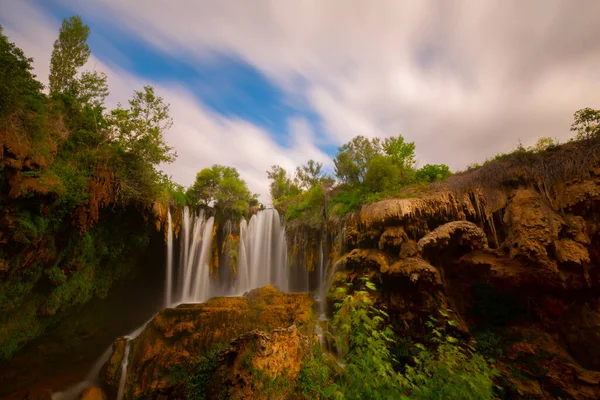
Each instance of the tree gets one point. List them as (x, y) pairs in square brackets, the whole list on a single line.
[(91, 88), (401, 153), (310, 174), (381, 174), (545, 143), (140, 128), (222, 188), (433, 172), (352, 161), (16, 80), (346, 169), (281, 185), (586, 122), (70, 53)]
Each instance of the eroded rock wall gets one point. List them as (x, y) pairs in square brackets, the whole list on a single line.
[(515, 257)]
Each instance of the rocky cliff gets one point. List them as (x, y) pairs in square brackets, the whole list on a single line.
[(513, 249)]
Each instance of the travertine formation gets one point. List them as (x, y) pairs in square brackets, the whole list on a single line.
[(178, 335)]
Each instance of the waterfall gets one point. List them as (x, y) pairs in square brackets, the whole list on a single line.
[(202, 281), (261, 258), (243, 275), (169, 277), (262, 252)]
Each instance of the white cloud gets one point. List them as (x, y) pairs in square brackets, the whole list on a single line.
[(201, 137), (464, 80)]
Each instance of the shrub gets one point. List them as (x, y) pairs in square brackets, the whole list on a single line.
[(314, 377), (447, 369)]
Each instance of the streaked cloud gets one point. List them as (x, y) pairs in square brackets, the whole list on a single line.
[(464, 80)]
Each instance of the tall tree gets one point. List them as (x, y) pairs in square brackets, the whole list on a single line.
[(401, 153), (70, 53), (140, 128)]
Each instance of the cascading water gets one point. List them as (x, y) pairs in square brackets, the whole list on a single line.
[(261, 258), (169, 277), (263, 252)]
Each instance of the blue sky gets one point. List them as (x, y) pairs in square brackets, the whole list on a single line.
[(252, 84), (224, 83)]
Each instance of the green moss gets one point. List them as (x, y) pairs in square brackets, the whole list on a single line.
[(197, 374), (18, 329)]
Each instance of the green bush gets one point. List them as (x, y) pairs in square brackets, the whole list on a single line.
[(346, 200), (446, 369), (314, 377)]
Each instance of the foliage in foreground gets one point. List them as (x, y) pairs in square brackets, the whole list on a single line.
[(445, 368)]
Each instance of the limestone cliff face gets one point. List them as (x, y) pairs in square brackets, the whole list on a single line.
[(518, 254), (177, 336)]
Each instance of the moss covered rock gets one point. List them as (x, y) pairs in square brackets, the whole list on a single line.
[(177, 336)]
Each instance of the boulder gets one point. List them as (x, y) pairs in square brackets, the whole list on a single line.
[(448, 237)]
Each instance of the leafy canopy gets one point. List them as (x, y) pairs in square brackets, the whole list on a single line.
[(352, 160), (310, 174), (281, 185), (140, 128), (222, 188)]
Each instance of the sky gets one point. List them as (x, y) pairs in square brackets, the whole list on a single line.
[(257, 83)]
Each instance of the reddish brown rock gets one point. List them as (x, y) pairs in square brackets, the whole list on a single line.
[(177, 335), (255, 359)]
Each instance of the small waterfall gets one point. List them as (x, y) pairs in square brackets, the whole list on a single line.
[(124, 370), (125, 361), (169, 277), (92, 379), (243, 275)]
